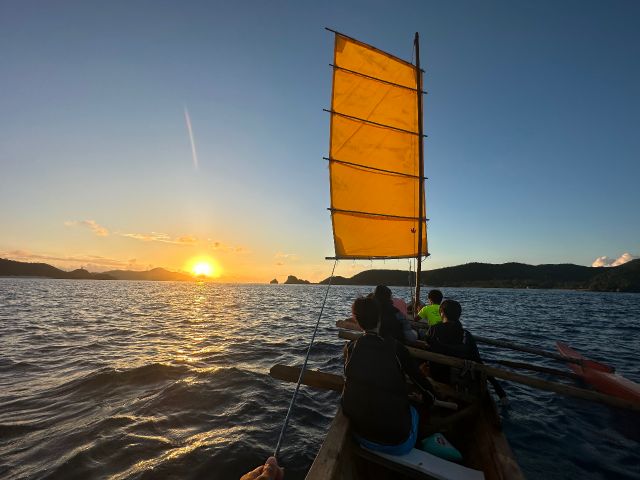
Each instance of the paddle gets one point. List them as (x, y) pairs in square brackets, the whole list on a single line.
[(585, 363), (536, 368), (326, 381), (512, 376)]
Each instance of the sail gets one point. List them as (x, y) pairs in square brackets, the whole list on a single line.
[(374, 159)]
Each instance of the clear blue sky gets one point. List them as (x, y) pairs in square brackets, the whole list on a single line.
[(533, 114)]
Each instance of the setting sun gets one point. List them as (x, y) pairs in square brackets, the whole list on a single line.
[(204, 267)]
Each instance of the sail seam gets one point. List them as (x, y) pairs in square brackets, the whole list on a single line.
[(360, 74), (333, 112), (367, 167)]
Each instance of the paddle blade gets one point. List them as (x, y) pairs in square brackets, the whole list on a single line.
[(592, 364)]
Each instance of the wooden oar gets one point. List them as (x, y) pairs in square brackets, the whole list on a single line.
[(586, 363), (512, 376), (536, 368), (326, 381), (583, 362)]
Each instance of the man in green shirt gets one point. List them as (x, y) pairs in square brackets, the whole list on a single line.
[(431, 312)]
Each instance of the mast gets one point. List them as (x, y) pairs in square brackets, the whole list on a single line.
[(421, 171)]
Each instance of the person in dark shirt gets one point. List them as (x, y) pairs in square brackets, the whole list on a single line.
[(450, 338), (447, 338), (375, 397)]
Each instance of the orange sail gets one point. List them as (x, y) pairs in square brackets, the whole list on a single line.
[(374, 160)]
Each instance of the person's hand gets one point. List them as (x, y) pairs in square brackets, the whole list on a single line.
[(269, 471), (415, 397)]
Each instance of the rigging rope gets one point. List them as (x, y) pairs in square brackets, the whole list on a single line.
[(411, 290), (304, 366)]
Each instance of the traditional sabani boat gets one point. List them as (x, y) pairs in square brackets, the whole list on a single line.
[(376, 165)]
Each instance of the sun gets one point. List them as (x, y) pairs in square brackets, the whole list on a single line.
[(204, 268)]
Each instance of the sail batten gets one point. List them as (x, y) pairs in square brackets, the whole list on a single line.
[(368, 167), (374, 78), (371, 122), (374, 214), (374, 166)]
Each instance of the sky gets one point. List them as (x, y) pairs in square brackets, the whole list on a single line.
[(138, 134)]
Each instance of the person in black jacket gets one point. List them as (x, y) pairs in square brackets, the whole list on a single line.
[(450, 338), (375, 397)]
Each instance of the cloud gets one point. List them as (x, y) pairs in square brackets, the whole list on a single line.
[(186, 240), (223, 247), (286, 256), (162, 237), (99, 230), (610, 262)]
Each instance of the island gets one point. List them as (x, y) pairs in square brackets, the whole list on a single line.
[(274, 281), (292, 280)]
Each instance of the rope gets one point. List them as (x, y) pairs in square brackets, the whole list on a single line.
[(411, 289), (304, 366)]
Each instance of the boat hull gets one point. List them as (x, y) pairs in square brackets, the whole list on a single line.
[(479, 437), (605, 382)]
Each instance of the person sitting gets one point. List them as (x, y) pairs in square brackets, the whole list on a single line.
[(375, 396), (446, 337), (431, 311), (401, 305), (450, 338), (393, 323)]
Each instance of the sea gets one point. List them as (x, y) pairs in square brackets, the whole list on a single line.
[(169, 380)]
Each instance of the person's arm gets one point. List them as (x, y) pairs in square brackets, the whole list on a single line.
[(410, 368), (348, 350), (422, 314), (410, 335)]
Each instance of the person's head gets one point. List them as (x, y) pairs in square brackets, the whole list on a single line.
[(435, 297), (382, 293), (366, 312), (450, 311)]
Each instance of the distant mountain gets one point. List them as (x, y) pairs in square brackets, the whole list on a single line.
[(156, 274), (624, 278), (23, 269)]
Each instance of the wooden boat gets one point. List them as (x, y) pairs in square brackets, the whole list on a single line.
[(376, 170), (475, 432), (603, 381), (474, 429)]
